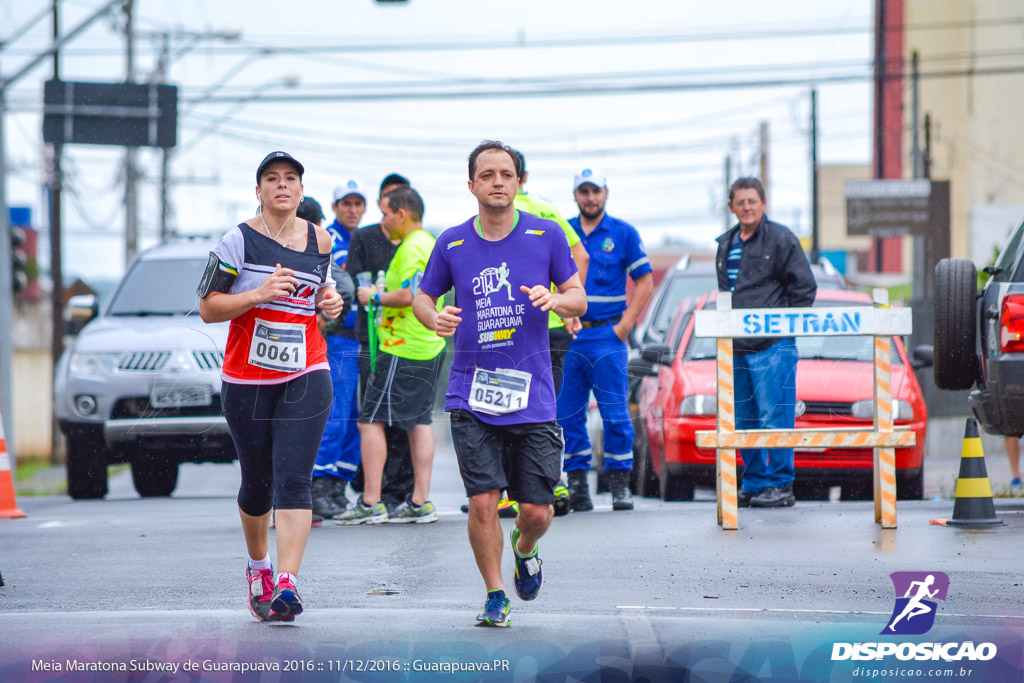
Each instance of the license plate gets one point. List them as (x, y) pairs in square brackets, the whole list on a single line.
[(180, 396)]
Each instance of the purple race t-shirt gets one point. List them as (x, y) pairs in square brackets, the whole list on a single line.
[(500, 328)]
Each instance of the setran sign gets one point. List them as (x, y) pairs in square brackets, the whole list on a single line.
[(123, 114), (802, 322), (887, 208)]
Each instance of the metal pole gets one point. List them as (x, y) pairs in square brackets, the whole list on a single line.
[(56, 261), (131, 201), (6, 294), (814, 175)]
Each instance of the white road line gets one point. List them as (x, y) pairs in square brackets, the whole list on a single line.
[(804, 611)]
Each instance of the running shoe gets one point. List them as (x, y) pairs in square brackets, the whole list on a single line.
[(562, 497), (1016, 485), (410, 513), (528, 573), (286, 603), (261, 589), (508, 509), (496, 610), (361, 513)]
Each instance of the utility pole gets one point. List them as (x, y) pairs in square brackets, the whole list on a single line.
[(165, 153), (814, 175), (927, 161), (56, 261), (764, 155), (879, 78), (131, 200), (6, 304), (918, 278)]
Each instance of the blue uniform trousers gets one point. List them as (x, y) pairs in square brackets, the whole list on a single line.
[(596, 361), (765, 386), (339, 455)]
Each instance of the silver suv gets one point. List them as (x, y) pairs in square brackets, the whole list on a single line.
[(141, 384)]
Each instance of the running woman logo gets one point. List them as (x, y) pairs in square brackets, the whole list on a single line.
[(916, 592)]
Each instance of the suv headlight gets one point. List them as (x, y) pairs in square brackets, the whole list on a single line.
[(698, 404), (865, 410), (93, 363)]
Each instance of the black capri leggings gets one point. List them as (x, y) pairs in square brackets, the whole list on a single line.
[(277, 430)]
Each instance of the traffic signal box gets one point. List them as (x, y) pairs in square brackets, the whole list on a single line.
[(24, 267)]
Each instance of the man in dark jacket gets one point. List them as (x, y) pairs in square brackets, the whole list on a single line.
[(764, 266)]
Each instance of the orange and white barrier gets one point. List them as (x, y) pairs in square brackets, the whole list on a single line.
[(880, 321), (8, 503)]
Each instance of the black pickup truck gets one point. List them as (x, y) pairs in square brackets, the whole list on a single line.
[(979, 336)]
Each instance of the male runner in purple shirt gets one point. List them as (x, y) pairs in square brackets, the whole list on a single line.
[(500, 391)]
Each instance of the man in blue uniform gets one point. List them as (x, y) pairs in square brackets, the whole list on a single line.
[(597, 357), (339, 454)]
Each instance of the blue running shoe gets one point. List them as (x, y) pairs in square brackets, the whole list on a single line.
[(528, 573), (496, 610), (286, 602)]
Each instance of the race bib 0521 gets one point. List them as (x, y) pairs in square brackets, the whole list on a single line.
[(499, 391)]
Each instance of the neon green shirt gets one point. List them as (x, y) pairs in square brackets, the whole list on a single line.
[(400, 333), (545, 209)]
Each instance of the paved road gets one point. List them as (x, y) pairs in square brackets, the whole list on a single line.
[(654, 592)]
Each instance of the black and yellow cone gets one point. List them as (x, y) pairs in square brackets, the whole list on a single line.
[(973, 506)]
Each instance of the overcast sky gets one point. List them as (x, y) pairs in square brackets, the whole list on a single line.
[(664, 91)]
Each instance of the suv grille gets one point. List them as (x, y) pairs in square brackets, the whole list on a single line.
[(139, 407), (208, 360), (143, 361)]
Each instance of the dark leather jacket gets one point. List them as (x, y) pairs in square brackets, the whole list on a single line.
[(774, 273)]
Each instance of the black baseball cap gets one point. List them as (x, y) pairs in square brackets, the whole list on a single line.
[(278, 156), (310, 210)]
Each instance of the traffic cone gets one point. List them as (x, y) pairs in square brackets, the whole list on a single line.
[(8, 503), (973, 506)]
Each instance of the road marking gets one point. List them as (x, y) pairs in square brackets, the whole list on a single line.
[(804, 611), (57, 523)]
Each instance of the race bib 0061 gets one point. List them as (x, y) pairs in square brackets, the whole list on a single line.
[(278, 346)]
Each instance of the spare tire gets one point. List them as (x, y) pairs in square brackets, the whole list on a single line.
[(956, 302)]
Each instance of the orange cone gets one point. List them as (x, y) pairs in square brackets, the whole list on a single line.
[(8, 503)]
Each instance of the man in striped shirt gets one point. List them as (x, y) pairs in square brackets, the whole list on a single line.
[(762, 263)]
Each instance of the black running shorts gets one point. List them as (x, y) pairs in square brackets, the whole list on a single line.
[(400, 391), (525, 459)]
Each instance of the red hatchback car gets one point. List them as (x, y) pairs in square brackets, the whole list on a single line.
[(834, 388)]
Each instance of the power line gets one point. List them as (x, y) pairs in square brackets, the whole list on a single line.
[(555, 41)]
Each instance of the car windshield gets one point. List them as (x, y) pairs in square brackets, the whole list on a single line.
[(855, 348), (682, 286), (159, 287)]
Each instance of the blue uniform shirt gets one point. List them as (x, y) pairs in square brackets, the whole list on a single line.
[(615, 249), (340, 238)]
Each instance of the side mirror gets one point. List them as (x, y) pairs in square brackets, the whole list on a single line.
[(640, 368), (658, 354), (631, 338), (924, 357), (81, 309)]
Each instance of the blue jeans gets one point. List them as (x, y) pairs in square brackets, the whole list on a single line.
[(339, 455), (766, 399), (596, 360)]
